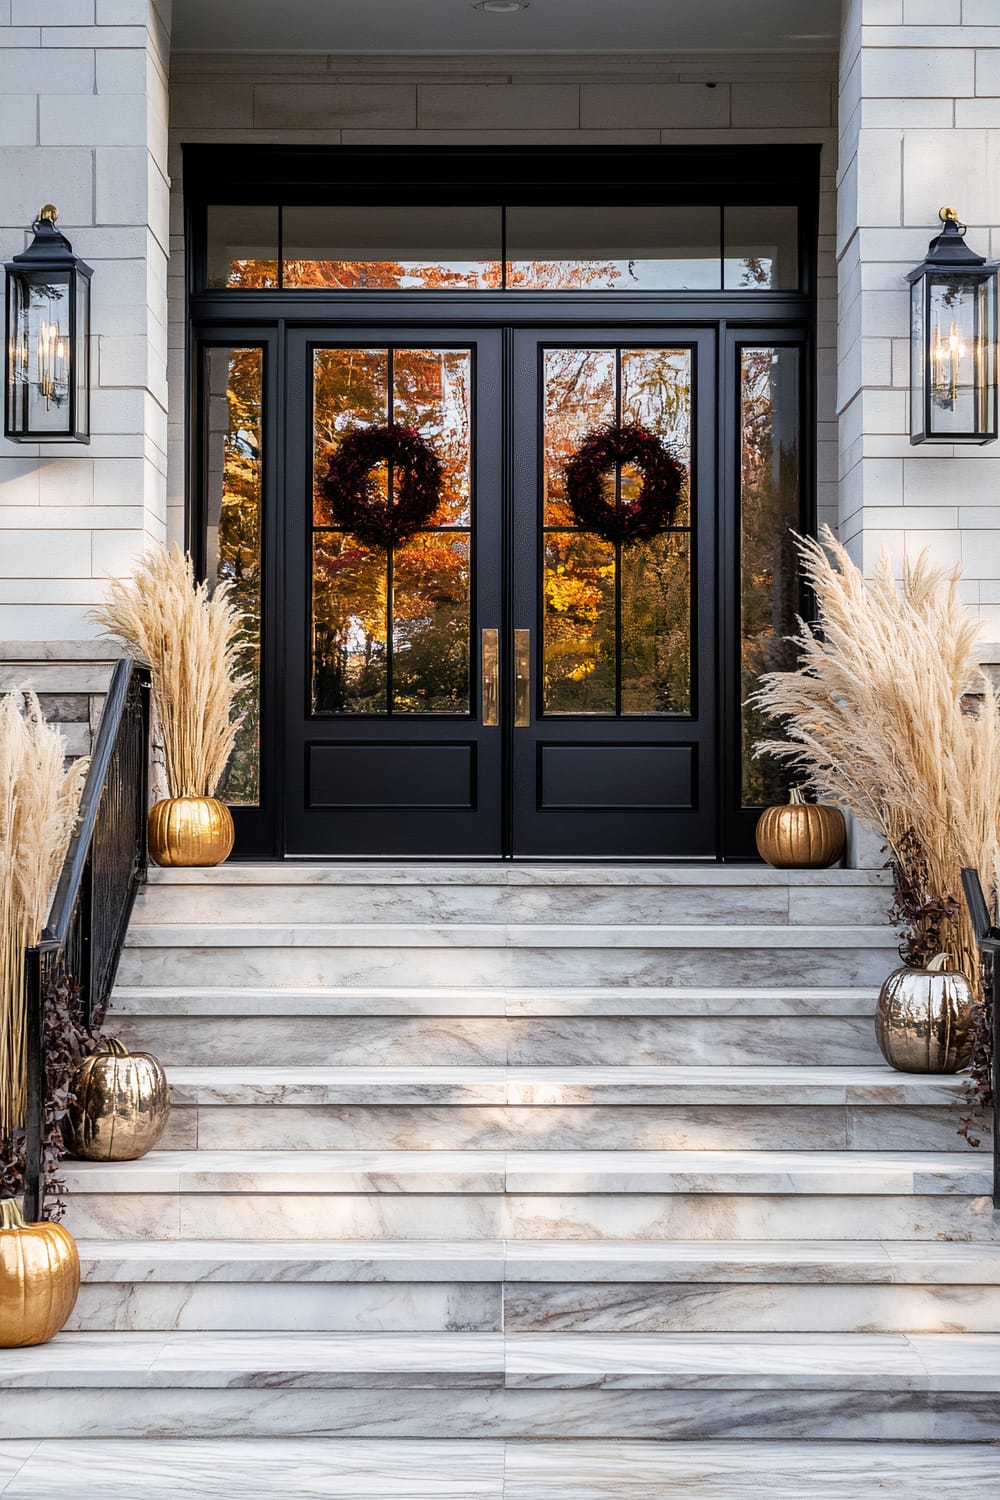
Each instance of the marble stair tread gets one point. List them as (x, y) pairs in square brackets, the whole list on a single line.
[(806, 1262), (491, 1469), (554, 1086), (607, 1000), (370, 935), (289, 872), (548, 1172), (968, 1363)]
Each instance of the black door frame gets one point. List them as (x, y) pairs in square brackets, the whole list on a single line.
[(466, 174)]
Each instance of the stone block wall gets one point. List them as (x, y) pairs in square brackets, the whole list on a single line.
[(83, 124), (919, 128)]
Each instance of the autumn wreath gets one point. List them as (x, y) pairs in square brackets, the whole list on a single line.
[(354, 500), (606, 449)]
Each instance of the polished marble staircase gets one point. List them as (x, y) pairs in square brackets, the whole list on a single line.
[(522, 1153)]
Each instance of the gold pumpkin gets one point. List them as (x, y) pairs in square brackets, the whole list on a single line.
[(39, 1279), (122, 1105), (801, 835), (923, 1017), (186, 831)]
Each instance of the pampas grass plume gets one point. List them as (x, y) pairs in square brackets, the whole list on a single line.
[(890, 714), (191, 637), (39, 805)]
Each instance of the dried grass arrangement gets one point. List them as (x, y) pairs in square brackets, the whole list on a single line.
[(889, 713), (191, 636), (39, 805)]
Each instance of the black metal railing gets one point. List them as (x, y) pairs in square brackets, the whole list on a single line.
[(104, 868), (988, 938)]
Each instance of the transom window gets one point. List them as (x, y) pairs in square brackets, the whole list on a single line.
[(437, 247)]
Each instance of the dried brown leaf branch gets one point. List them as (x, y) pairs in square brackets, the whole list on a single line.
[(191, 637)]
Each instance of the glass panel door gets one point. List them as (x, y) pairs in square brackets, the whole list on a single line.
[(615, 752), (387, 750)]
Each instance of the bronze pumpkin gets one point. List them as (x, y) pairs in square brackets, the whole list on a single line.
[(801, 835), (190, 831), (923, 1018), (121, 1107), (39, 1278)]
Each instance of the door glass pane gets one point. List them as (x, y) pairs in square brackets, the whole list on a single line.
[(769, 510), (617, 619), (579, 624), (242, 246), (579, 394), (422, 247), (762, 249), (614, 248), (234, 380), (391, 627)]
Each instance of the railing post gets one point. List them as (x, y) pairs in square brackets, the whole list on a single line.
[(34, 1187)]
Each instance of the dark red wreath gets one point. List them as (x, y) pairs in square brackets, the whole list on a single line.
[(354, 500), (608, 448)]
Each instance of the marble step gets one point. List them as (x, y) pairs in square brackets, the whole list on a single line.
[(188, 1027), (583, 894), (551, 1385), (505, 954), (494, 1469), (566, 1195), (576, 1108), (344, 1286)]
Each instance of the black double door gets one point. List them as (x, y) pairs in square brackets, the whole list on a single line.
[(504, 682)]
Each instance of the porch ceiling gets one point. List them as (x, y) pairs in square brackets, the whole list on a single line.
[(435, 26)]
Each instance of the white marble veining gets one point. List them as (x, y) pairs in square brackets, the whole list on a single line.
[(745, 1471), (259, 1469), (662, 1085), (525, 1001), (505, 1152), (488, 1469)]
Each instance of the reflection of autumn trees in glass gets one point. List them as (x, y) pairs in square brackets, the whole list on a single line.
[(769, 575), (394, 628), (235, 381), (617, 621)]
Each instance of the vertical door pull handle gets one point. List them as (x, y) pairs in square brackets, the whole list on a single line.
[(522, 678), (491, 678)]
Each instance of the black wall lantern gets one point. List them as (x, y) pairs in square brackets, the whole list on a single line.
[(953, 342), (48, 340)]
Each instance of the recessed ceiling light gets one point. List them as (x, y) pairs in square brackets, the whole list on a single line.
[(501, 7)]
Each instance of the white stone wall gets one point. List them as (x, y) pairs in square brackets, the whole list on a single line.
[(919, 128), (83, 124), (638, 100)]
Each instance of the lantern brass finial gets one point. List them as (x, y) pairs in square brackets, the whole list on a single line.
[(947, 214), (49, 212)]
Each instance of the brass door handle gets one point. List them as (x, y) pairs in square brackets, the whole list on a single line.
[(522, 678), (491, 678)]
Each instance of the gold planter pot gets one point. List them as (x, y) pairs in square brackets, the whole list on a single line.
[(121, 1106), (923, 1017), (39, 1279), (186, 831)]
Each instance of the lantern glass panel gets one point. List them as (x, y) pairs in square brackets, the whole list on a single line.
[(959, 347), (41, 364), (917, 348)]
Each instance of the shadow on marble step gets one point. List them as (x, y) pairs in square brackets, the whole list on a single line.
[(890, 1387), (491, 1469), (386, 1041)]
